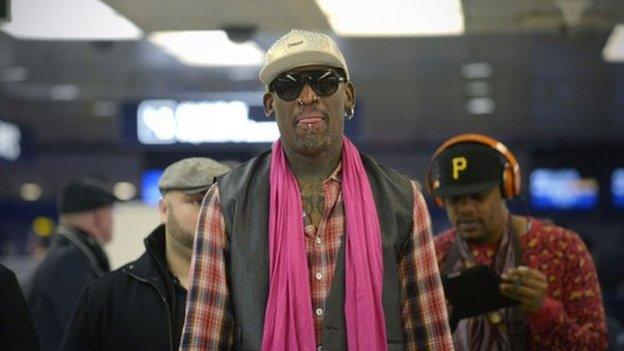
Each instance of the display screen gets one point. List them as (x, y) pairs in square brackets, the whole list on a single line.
[(617, 187), (562, 189), (10, 141), (228, 118), (211, 121), (150, 194)]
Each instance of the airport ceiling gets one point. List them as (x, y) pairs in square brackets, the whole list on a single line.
[(109, 73), (278, 15)]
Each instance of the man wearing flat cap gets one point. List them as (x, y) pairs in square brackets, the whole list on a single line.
[(140, 306), (544, 269), (74, 258), (312, 245)]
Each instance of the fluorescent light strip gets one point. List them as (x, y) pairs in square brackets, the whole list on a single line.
[(208, 48), (614, 49), (68, 20), (394, 17)]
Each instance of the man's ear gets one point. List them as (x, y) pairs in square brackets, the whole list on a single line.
[(268, 104), (163, 210), (350, 95)]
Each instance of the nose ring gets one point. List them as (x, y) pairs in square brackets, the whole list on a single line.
[(300, 101)]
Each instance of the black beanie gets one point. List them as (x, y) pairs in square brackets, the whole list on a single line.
[(83, 194)]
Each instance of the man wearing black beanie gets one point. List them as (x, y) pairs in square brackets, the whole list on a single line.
[(75, 257)]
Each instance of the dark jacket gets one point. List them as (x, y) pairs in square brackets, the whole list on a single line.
[(132, 308), (17, 332), (73, 260), (244, 194)]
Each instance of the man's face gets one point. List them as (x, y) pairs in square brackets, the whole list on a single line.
[(478, 217), (310, 123), (103, 219), (179, 212)]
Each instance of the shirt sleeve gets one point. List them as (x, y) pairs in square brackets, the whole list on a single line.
[(209, 321), (424, 315), (572, 317)]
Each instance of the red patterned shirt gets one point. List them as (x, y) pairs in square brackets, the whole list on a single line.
[(209, 320), (572, 317)]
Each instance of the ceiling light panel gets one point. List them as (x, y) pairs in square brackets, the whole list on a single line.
[(394, 17), (68, 20), (614, 49), (208, 48)]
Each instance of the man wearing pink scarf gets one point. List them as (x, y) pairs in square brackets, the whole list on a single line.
[(312, 245)]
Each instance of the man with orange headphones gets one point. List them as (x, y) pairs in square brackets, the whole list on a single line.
[(546, 269)]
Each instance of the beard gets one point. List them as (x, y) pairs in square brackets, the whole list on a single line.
[(180, 235), (312, 144)]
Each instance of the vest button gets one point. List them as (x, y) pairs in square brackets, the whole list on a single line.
[(319, 275), (319, 312)]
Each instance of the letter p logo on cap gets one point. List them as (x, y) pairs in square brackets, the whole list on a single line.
[(459, 164)]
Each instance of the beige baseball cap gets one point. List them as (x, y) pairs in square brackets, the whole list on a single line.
[(300, 48)]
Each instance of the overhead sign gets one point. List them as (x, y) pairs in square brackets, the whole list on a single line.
[(218, 121)]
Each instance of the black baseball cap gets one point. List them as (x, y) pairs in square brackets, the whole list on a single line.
[(466, 168), (82, 194)]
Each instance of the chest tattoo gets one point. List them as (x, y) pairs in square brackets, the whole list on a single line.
[(313, 200)]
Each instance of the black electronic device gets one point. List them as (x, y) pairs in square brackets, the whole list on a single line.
[(474, 291)]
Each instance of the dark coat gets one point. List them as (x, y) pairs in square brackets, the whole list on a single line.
[(73, 260), (132, 308), (17, 332)]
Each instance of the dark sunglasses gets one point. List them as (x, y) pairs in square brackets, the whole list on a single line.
[(289, 85)]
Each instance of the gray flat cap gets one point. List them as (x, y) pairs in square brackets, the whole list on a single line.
[(191, 175)]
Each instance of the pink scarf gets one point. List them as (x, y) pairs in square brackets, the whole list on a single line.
[(288, 323)]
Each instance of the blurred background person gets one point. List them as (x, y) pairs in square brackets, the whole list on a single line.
[(546, 268), (17, 332), (75, 257), (141, 305)]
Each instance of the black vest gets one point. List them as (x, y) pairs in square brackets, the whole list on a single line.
[(244, 196)]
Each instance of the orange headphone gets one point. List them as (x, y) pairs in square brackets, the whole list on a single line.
[(511, 169)]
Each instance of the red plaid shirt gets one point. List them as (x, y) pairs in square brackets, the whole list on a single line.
[(209, 321)]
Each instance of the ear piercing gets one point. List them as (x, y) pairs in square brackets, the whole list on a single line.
[(349, 113)]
